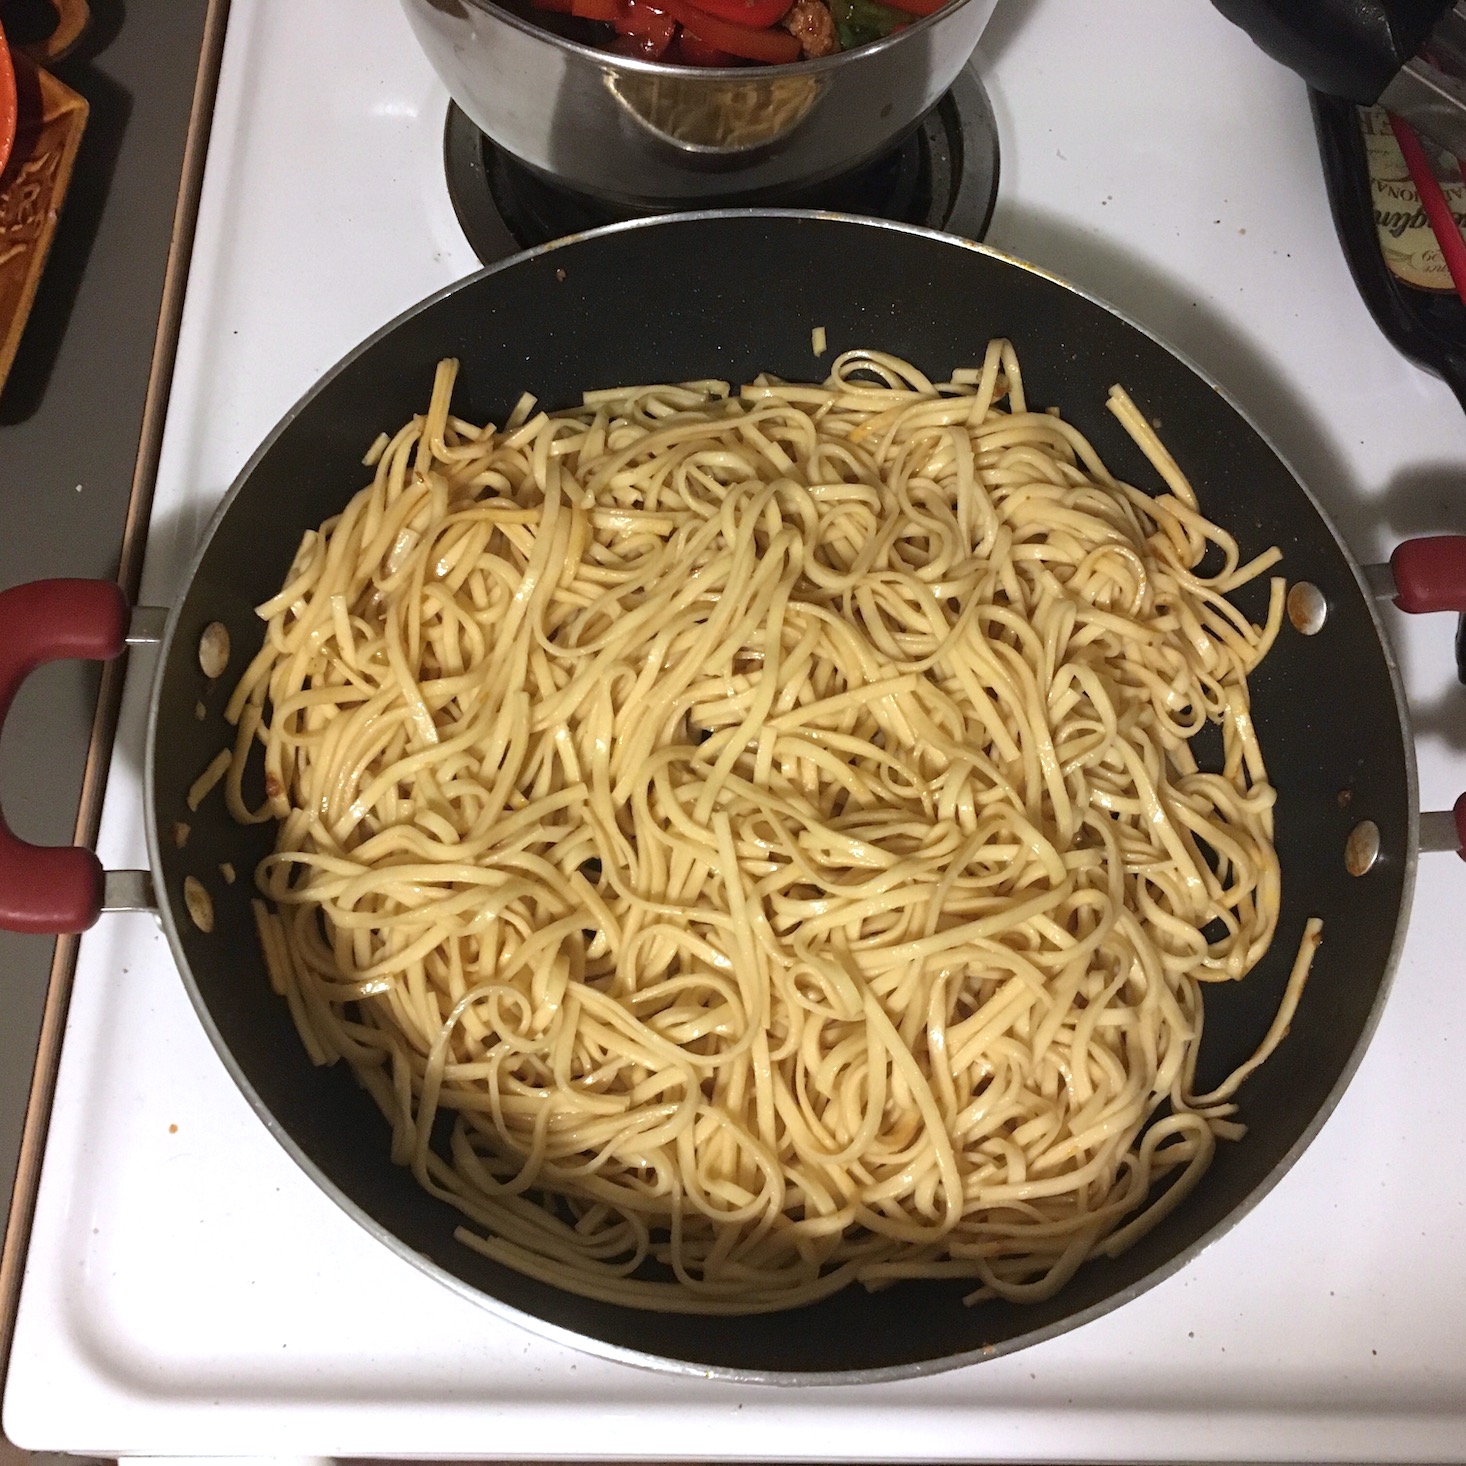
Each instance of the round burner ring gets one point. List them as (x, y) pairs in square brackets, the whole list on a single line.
[(944, 176)]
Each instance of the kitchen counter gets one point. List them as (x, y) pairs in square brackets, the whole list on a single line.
[(75, 451)]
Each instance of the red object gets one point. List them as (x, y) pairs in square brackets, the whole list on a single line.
[(45, 888), (776, 47), (1459, 810), (756, 13), (9, 107), (637, 46), (696, 52), (916, 7), (1432, 200), (648, 27), (594, 9), (1430, 573)]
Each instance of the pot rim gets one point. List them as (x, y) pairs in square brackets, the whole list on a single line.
[(711, 76)]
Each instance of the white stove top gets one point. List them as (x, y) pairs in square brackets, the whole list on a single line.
[(189, 1291)]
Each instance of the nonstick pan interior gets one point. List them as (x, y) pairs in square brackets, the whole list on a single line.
[(730, 295)]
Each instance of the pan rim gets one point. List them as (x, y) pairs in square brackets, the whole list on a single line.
[(662, 1364)]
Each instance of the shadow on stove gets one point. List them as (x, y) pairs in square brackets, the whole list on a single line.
[(944, 175)]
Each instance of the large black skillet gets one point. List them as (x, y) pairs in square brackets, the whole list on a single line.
[(730, 295)]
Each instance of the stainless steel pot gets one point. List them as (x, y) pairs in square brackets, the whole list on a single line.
[(648, 136)]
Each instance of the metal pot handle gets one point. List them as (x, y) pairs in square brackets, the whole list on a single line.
[(46, 888), (1429, 574)]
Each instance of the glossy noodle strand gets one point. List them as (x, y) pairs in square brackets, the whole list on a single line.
[(757, 832)]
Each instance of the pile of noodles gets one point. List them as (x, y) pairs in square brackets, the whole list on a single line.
[(756, 833)]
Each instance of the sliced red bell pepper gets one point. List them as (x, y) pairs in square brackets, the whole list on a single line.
[(759, 14), (636, 46), (776, 47), (916, 7), (650, 26), (594, 9), (696, 52)]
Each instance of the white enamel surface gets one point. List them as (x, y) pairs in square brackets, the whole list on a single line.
[(190, 1292)]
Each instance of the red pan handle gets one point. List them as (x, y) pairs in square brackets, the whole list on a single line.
[(46, 888), (1430, 575)]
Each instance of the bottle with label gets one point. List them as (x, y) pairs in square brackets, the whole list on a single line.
[(1391, 248)]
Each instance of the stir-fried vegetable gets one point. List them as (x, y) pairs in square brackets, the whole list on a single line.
[(770, 45), (760, 14), (858, 22), (646, 30), (735, 32)]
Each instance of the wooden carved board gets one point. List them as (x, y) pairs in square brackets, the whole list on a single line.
[(50, 123)]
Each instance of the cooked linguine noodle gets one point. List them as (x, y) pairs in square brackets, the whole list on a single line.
[(757, 833)]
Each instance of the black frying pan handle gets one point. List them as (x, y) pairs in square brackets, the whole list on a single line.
[(1347, 48)]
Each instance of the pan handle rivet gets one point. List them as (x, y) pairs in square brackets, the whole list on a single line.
[(214, 650), (1307, 608), (1362, 848)]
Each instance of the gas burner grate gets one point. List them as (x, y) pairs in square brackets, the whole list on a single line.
[(943, 175)]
